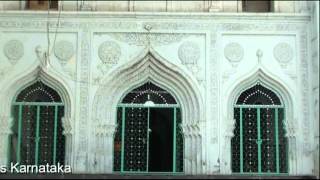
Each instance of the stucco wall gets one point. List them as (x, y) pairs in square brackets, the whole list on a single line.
[(92, 48)]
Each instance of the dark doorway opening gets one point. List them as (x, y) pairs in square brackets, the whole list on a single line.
[(161, 139)]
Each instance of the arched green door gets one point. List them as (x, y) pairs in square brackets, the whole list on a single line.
[(37, 137), (148, 137), (259, 144)]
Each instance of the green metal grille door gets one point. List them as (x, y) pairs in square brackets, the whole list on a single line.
[(138, 137), (259, 144), (37, 132)]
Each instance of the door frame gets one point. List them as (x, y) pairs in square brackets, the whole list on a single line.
[(174, 107)]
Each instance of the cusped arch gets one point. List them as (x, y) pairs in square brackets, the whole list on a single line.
[(272, 83), (149, 66), (24, 80), (268, 81)]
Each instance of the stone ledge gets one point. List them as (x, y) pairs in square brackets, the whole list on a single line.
[(162, 15), (115, 176)]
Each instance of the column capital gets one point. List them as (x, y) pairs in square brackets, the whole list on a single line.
[(67, 126), (102, 129)]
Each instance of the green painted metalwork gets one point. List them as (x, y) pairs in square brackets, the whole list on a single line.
[(258, 106), (287, 146), (122, 137), (124, 108), (148, 136), (153, 106), (259, 140), (277, 141), (259, 145), (19, 134), (55, 134), (241, 142), (37, 110), (37, 136), (38, 103), (139, 147), (174, 139)]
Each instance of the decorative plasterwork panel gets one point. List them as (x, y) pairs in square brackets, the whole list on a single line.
[(283, 53), (109, 52), (234, 53), (13, 50), (273, 26), (189, 53), (146, 39), (64, 50), (307, 149), (68, 24), (84, 89)]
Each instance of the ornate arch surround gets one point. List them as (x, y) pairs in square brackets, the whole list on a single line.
[(20, 82), (280, 89), (150, 66), (26, 79)]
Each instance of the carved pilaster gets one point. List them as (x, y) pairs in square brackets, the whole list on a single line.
[(305, 90), (82, 149), (226, 157), (193, 149), (68, 132), (103, 154)]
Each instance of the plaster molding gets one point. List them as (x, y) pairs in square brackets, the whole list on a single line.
[(84, 92), (189, 53), (283, 53), (150, 66), (13, 50), (234, 53), (64, 50), (109, 52), (67, 125)]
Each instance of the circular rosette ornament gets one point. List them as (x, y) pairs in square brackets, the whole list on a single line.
[(189, 53), (234, 53), (64, 51), (109, 52), (13, 50), (283, 53)]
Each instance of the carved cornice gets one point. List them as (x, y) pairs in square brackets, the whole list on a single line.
[(163, 15)]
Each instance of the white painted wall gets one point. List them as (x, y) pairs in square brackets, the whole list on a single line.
[(216, 77)]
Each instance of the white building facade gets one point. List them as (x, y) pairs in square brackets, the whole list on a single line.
[(205, 54)]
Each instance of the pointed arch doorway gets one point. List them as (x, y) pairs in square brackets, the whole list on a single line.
[(148, 137)]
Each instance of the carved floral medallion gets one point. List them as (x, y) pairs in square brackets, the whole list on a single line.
[(13, 50)]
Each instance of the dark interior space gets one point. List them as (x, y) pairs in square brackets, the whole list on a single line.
[(161, 139)]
